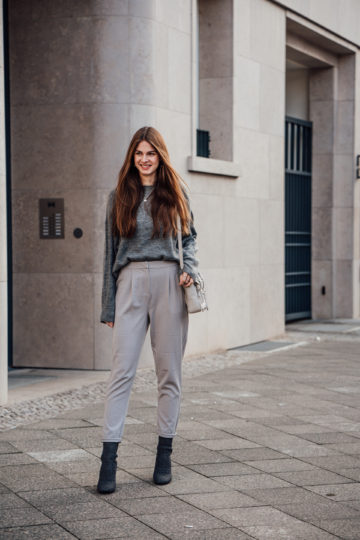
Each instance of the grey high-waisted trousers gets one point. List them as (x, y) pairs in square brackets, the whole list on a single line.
[(147, 293)]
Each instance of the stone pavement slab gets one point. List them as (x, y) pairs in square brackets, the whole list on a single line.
[(295, 531), (22, 516), (339, 492), (193, 518), (230, 533), (266, 449), (121, 527), (346, 529), (44, 532)]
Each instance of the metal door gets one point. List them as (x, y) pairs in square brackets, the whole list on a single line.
[(297, 219)]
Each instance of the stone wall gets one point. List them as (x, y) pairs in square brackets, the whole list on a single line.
[(84, 77), (339, 16)]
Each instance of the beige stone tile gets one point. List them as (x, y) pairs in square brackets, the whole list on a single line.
[(344, 127), (241, 232), (301, 6), (36, 160), (247, 93), (348, 20), (356, 225), (322, 180), (266, 296), (175, 14), (254, 159), (174, 127), (111, 139), (67, 8), (297, 93), (44, 71), (110, 64), (242, 27), (325, 11), (143, 8), (98, 50), (198, 333), (102, 332), (32, 254), (346, 77), (321, 275), (210, 236), (321, 84), (343, 288), (163, 65), (276, 167), (98, 240), (143, 82), (322, 116), (48, 307), (272, 100), (321, 233), (216, 115), (228, 287), (344, 180), (177, 59), (268, 34), (215, 39), (343, 230), (271, 232), (139, 116)]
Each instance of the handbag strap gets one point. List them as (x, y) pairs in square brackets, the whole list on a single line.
[(179, 237)]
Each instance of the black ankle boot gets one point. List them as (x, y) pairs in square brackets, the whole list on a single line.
[(162, 471), (107, 477)]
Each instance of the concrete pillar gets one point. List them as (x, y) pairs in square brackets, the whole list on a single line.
[(344, 204), (334, 221), (3, 235), (84, 77), (322, 114)]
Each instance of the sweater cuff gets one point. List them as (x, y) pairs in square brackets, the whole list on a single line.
[(189, 270), (107, 316)]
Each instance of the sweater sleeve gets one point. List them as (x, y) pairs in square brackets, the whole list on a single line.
[(109, 282), (190, 248)]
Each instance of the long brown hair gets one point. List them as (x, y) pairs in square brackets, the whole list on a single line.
[(168, 197)]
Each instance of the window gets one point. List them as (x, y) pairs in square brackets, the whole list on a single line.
[(215, 79)]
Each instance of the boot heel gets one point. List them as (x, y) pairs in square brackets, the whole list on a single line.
[(162, 471), (107, 476)]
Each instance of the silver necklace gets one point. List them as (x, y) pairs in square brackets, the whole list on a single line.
[(148, 195)]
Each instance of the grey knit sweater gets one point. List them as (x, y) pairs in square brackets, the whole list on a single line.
[(118, 252)]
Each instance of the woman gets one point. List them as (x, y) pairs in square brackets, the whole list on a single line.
[(143, 286)]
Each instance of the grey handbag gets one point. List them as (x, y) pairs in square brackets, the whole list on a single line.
[(195, 297)]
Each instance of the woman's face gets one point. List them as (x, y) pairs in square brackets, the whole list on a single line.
[(146, 160)]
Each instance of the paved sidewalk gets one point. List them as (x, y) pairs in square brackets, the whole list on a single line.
[(266, 449)]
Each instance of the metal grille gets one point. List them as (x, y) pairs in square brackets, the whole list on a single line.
[(202, 143), (297, 219)]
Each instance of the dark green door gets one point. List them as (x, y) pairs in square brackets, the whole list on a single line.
[(297, 219)]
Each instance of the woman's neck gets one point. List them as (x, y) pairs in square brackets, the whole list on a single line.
[(148, 180)]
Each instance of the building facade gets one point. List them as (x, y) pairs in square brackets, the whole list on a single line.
[(276, 87)]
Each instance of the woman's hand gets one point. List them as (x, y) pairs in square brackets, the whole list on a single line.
[(111, 324), (185, 279)]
